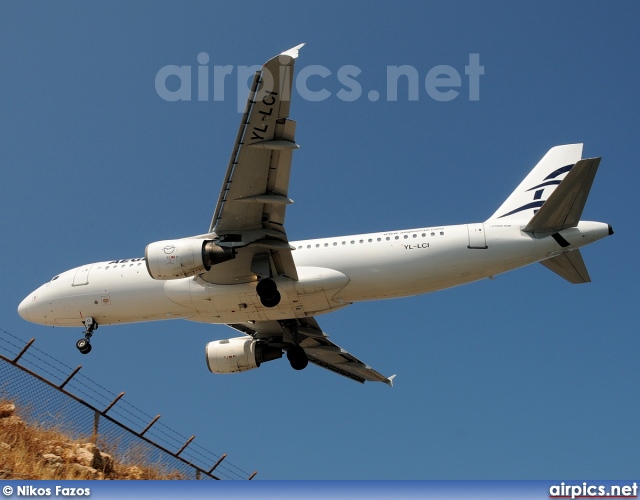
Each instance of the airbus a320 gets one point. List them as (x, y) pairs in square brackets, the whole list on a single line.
[(245, 272)]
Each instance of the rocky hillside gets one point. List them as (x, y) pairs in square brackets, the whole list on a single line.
[(29, 452)]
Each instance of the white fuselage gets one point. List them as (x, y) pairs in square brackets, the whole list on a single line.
[(333, 273)]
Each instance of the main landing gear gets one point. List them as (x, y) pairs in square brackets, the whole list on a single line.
[(83, 345), (295, 354), (268, 292), (297, 357)]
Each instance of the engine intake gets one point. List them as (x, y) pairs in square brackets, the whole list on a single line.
[(174, 259), (238, 355)]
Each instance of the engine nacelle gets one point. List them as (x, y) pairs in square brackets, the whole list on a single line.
[(238, 355), (174, 259)]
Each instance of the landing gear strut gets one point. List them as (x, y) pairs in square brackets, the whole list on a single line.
[(83, 345), (268, 292)]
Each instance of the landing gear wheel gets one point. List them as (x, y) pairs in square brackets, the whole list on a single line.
[(297, 357), (83, 346), (268, 292), (271, 301)]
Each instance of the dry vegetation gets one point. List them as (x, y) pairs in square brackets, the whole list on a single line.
[(32, 452)]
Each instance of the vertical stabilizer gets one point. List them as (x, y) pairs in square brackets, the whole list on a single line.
[(535, 189)]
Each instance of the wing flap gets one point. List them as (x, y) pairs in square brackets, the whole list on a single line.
[(324, 353)]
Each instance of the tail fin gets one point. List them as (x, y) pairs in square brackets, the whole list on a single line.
[(551, 198), (536, 188)]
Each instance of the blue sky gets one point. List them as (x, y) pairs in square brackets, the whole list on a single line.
[(523, 377)]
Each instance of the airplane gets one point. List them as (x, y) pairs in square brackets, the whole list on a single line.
[(245, 272)]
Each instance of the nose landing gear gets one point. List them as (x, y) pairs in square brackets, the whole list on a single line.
[(83, 345)]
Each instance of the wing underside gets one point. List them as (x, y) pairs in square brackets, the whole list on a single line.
[(319, 349), (250, 212)]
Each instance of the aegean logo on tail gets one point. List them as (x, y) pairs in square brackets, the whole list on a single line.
[(537, 196)]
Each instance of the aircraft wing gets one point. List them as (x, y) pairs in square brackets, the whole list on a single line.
[(250, 212), (316, 344)]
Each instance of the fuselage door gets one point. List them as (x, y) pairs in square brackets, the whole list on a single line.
[(82, 275), (477, 238)]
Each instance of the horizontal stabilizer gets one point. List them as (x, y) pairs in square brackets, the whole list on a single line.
[(570, 266), (564, 207)]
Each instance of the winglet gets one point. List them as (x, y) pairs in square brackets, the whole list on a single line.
[(293, 52), (389, 381)]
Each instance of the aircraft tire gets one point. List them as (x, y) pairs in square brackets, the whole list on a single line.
[(272, 301), (83, 346), (297, 358)]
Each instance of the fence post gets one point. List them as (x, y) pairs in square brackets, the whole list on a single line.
[(96, 423)]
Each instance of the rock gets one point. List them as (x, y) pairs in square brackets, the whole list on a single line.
[(85, 472), (107, 463), (52, 459), (7, 410), (83, 457), (54, 446), (89, 455)]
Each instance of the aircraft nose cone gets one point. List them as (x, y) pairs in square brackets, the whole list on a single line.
[(23, 308)]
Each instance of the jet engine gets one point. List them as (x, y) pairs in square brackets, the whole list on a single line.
[(174, 259), (238, 354)]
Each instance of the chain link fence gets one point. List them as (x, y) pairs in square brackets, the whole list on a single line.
[(57, 396)]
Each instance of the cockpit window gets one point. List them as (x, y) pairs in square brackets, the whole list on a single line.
[(55, 278)]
